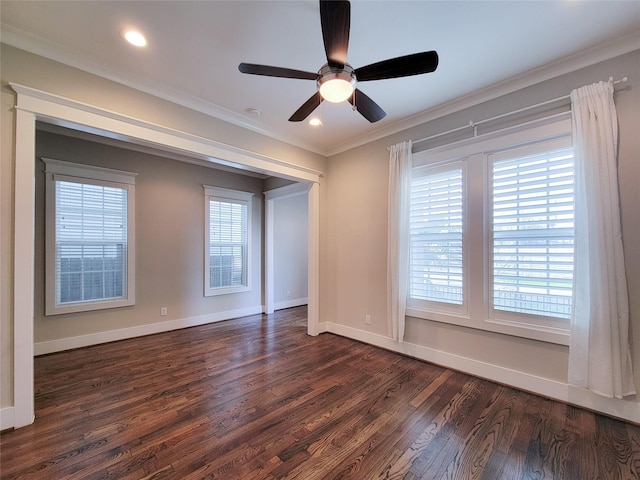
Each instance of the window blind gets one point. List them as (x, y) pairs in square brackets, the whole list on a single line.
[(436, 229), (91, 242), (228, 244), (533, 234)]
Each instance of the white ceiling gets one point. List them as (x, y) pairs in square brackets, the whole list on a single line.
[(195, 48)]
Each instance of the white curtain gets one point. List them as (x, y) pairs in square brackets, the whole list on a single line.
[(599, 354), (398, 237)]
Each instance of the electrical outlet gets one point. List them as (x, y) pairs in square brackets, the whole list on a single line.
[(163, 311), (288, 293), (367, 319)]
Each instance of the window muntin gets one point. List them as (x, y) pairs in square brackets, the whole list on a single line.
[(478, 156), (90, 232), (227, 241)]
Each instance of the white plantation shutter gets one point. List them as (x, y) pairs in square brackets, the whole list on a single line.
[(436, 235), (533, 207), (91, 242)]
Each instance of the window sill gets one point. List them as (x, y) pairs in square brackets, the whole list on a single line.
[(88, 306), (212, 292)]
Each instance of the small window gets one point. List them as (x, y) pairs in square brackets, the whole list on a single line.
[(227, 234), (89, 238)]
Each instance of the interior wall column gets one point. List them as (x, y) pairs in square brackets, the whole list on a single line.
[(23, 267)]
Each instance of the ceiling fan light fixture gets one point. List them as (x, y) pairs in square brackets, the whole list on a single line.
[(336, 85), (336, 90), (135, 38)]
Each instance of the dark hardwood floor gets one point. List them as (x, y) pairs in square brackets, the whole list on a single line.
[(256, 398)]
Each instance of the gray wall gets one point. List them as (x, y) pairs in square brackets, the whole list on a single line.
[(169, 225)]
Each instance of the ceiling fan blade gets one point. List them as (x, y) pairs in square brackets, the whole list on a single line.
[(367, 107), (307, 107), (406, 66), (335, 18), (266, 70)]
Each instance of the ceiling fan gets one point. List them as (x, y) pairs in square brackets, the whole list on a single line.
[(336, 80)]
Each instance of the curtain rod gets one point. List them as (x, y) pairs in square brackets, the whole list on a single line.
[(474, 125)]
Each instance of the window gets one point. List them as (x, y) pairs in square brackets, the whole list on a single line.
[(436, 228), (89, 238), (533, 233), (492, 232), (227, 234)]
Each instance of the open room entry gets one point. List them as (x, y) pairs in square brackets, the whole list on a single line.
[(286, 246), (34, 105)]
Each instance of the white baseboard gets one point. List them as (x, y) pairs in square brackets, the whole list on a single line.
[(6, 418), (323, 327), (51, 346), (296, 302), (625, 409)]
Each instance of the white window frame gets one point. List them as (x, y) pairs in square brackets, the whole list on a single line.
[(57, 170), (442, 308), (229, 196), (477, 154), (502, 315)]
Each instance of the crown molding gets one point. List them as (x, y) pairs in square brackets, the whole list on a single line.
[(559, 67), (28, 42), (39, 46)]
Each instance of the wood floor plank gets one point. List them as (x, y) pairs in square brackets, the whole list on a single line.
[(430, 388), (256, 398), (616, 454)]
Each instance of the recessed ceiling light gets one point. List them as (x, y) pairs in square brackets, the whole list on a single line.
[(135, 38), (316, 122)]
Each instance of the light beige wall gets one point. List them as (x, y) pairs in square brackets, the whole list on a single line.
[(169, 226), (33, 71), (355, 229)]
